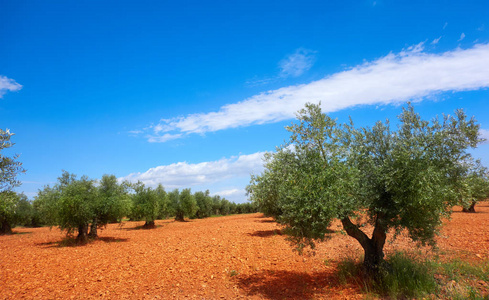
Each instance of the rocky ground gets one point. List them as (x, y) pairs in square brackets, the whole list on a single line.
[(243, 256)]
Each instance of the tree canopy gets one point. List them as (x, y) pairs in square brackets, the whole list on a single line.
[(9, 169), (392, 179), (77, 204)]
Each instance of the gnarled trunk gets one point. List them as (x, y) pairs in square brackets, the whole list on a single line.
[(179, 216), (471, 209), (82, 233), (149, 224), (372, 247), (5, 228), (93, 229)]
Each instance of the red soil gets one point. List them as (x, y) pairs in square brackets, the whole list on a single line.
[(242, 256)]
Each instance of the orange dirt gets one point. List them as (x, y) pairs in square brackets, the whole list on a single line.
[(242, 256)]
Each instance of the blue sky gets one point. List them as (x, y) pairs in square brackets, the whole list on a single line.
[(192, 93)]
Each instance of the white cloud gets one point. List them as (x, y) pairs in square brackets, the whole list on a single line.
[(162, 138), (484, 134), (231, 192), (296, 64), (435, 41), (445, 25), (392, 79), (462, 36), (184, 175), (7, 84)]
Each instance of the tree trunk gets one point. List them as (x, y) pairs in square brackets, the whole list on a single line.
[(373, 247), (82, 233), (5, 228), (93, 229), (149, 225), (179, 216), (471, 209)]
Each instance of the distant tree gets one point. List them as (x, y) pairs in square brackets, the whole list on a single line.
[(476, 186), (225, 207), (112, 203), (204, 203), (173, 199), (13, 211), (186, 205), (164, 202), (391, 179), (233, 208), (25, 211), (145, 205), (76, 205), (216, 205), (45, 206), (9, 169)]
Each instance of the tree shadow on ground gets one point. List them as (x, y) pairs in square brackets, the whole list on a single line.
[(266, 221), (21, 232), (142, 227), (282, 284), (72, 242), (266, 233), (274, 232)]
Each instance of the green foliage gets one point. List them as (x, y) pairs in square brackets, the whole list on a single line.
[(145, 203), (77, 204), (225, 207), (187, 204), (174, 200), (216, 205), (164, 202), (113, 201), (46, 205), (9, 169), (9, 166), (204, 204), (404, 179), (474, 185), (15, 209), (24, 211)]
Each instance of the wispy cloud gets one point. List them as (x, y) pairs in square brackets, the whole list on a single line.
[(7, 84), (296, 64), (445, 25), (162, 138), (183, 174), (392, 79), (462, 36), (293, 65), (435, 41)]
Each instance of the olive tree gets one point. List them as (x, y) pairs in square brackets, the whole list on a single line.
[(15, 209), (204, 204), (9, 166), (164, 202), (111, 204), (186, 205), (391, 179), (145, 205), (476, 186), (76, 206), (9, 169)]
